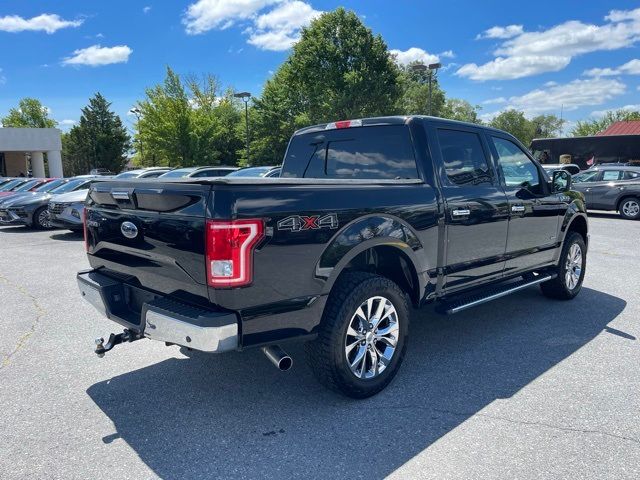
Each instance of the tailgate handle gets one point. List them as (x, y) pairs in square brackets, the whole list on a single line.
[(120, 195)]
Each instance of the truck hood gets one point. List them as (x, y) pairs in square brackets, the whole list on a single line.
[(71, 197)]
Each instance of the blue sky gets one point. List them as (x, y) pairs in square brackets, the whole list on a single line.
[(583, 55)]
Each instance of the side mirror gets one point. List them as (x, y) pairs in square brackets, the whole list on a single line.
[(561, 181)]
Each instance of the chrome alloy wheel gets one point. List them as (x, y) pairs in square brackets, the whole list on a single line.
[(372, 337), (573, 267), (44, 219), (631, 208)]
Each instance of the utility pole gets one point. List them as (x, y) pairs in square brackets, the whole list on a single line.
[(245, 96), (136, 111)]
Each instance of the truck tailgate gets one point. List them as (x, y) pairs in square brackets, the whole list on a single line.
[(150, 234)]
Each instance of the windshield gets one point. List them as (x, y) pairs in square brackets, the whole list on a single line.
[(27, 186), (178, 173), (70, 186), (585, 177), (9, 185), (250, 172), (50, 185), (131, 174)]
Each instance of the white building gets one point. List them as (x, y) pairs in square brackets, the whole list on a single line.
[(22, 149)]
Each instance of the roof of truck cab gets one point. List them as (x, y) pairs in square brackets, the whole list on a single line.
[(394, 120)]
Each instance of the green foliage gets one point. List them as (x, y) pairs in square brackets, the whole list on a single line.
[(414, 87), (29, 114), (592, 127), (525, 130), (338, 70), (99, 140), (185, 123), (457, 109)]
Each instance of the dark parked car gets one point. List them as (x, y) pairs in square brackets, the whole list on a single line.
[(367, 217), (608, 187)]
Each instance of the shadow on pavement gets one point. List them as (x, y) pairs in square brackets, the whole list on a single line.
[(67, 236), (236, 415)]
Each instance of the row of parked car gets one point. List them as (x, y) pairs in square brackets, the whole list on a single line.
[(44, 203)]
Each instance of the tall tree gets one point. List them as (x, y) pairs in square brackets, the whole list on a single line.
[(525, 130), (186, 122), (31, 114), (414, 96), (457, 109), (587, 128), (547, 126), (514, 122), (99, 140), (338, 70)]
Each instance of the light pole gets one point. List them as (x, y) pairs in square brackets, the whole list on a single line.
[(245, 96), (432, 71), (136, 111)]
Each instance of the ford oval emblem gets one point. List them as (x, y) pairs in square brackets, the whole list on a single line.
[(129, 230)]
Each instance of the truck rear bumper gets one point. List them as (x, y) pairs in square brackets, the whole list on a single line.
[(158, 317)]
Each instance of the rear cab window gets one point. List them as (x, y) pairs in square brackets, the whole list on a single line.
[(383, 152)]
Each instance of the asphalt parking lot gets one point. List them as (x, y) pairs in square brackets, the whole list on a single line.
[(523, 387)]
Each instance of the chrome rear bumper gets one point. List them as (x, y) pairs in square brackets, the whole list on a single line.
[(160, 318)]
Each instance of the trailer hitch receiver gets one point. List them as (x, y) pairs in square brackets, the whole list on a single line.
[(126, 336)]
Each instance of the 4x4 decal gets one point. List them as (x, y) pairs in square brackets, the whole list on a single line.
[(297, 223)]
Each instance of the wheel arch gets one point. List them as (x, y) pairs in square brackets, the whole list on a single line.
[(392, 249), (624, 197)]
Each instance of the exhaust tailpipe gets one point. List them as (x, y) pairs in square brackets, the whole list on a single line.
[(278, 357)]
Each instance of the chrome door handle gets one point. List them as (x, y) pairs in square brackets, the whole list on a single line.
[(517, 208), (461, 212)]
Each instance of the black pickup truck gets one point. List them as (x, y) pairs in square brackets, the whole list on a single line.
[(368, 218)]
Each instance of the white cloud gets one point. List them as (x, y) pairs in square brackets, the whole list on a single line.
[(96, 55), (275, 29), (501, 32), (146, 9), (279, 28), (205, 15), (570, 96), (602, 113), (414, 54), (46, 22), (447, 54), (3, 79), (552, 49), (509, 68), (632, 67), (495, 101), (67, 123)]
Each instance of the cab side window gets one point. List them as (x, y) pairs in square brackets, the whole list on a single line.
[(631, 175), (464, 158), (517, 168)]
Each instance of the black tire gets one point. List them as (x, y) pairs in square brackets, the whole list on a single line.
[(630, 208), (37, 220), (327, 356), (559, 287)]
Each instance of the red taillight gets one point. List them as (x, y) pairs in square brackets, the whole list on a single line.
[(229, 251), (84, 229)]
